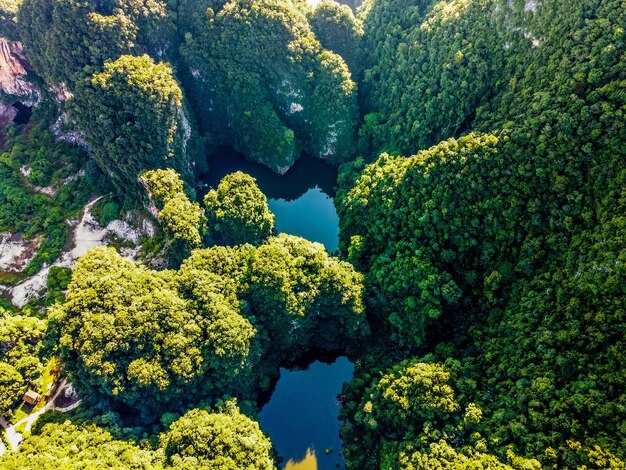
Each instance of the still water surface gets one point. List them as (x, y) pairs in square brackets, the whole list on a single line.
[(301, 417), (301, 199)]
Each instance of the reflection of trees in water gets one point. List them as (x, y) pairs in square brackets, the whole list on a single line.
[(309, 462), (306, 173)]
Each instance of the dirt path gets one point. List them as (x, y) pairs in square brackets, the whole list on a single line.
[(14, 437), (31, 418)]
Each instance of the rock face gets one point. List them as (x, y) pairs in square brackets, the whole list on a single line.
[(86, 234), (7, 113), (13, 69)]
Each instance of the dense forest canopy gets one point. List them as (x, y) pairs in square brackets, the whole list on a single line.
[(294, 96), (511, 236), (132, 113), (480, 283)]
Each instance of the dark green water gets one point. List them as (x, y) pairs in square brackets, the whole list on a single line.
[(301, 416), (301, 199)]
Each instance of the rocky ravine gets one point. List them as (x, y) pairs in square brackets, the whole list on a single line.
[(14, 68), (85, 234)]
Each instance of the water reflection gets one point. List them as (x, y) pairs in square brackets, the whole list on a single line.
[(301, 199), (307, 173), (309, 462), (312, 216), (301, 417)]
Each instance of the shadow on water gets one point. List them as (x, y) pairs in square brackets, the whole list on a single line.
[(307, 173), (301, 199)]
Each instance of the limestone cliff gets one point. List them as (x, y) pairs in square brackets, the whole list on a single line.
[(13, 69)]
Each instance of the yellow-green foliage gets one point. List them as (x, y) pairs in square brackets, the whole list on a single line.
[(132, 116), (236, 442), (157, 341), (237, 211), (508, 241)]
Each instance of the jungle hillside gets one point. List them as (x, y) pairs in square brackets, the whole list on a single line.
[(469, 157)]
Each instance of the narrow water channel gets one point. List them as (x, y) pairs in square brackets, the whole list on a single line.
[(301, 417), (301, 199)]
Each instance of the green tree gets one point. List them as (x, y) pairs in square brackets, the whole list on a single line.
[(11, 387), (237, 211), (21, 342), (225, 439), (132, 115), (47, 27), (98, 31), (407, 397), (128, 335), (8, 19), (338, 30), (505, 240), (183, 221), (66, 445), (262, 83), (303, 296), (442, 456)]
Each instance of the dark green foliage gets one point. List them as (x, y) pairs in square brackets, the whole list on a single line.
[(8, 19), (508, 237), (225, 440), (58, 280), (237, 211), (338, 30), (23, 206), (305, 297), (428, 241), (48, 26), (292, 290), (98, 31), (553, 357), (132, 115), (493, 258), (416, 415), (261, 82), (105, 211), (428, 66)]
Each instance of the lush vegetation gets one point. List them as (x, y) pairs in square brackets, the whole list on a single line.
[(182, 220), (132, 116), (481, 205), (505, 245), (98, 31), (41, 186), (294, 96), (338, 30), (237, 211), (21, 356), (236, 443)]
